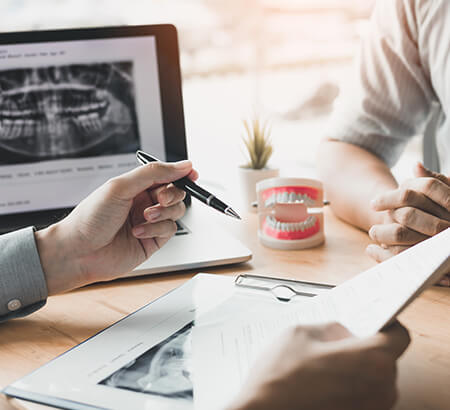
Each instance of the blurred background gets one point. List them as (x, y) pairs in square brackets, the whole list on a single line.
[(282, 59)]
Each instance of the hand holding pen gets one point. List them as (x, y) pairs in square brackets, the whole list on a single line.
[(116, 228), (193, 189)]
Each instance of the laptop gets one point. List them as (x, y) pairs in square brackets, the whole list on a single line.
[(75, 105)]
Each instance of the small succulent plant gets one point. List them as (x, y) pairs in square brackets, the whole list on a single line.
[(257, 142)]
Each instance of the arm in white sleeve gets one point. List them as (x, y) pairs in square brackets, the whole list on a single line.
[(390, 96)]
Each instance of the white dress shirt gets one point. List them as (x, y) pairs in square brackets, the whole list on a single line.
[(402, 81)]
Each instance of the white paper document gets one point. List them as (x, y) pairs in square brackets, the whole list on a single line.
[(223, 354)]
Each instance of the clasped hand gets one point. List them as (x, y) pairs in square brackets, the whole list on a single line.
[(417, 210)]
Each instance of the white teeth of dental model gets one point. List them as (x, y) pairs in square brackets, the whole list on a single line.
[(288, 198), (291, 226)]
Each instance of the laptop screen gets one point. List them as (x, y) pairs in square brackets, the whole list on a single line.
[(72, 115)]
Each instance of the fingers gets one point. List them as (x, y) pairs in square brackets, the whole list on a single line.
[(412, 193), (417, 210), (395, 234), (8, 403), (393, 339), (445, 281), (128, 185), (433, 188), (331, 332), (152, 245), (160, 213), (167, 195), (160, 221), (325, 333), (420, 221), (162, 229), (421, 172), (404, 197), (160, 225), (380, 254), (193, 175)]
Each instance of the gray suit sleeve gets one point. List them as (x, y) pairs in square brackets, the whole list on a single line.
[(23, 288)]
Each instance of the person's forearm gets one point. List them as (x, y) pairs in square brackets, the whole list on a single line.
[(59, 265), (352, 177)]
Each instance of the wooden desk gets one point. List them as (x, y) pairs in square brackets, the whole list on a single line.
[(424, 374)]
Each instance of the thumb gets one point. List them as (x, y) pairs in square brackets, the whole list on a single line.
[(421, 172), (132, 183), (394, 339)]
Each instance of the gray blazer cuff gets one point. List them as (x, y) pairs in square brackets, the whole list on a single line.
[(23, 288)]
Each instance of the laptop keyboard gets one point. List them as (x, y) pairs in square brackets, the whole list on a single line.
[(181, 229)]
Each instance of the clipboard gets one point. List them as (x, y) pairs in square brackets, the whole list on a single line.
[(282, 289), (120, 367), (107, 370)]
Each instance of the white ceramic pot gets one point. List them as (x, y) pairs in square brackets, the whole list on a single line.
[(248, 178)]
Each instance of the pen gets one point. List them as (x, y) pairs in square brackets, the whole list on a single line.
[(192, 188)]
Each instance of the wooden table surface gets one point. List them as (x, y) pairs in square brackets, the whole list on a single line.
[(66, 320)]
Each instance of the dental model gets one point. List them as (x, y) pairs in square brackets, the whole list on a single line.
[(290, 212)]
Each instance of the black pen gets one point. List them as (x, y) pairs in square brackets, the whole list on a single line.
[(192, 188)]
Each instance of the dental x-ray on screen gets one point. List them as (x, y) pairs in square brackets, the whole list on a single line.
[(56, 112)]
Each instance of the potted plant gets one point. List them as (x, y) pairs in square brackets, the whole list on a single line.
[(259, 150)]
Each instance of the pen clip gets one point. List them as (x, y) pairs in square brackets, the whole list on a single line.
[(145, 158)]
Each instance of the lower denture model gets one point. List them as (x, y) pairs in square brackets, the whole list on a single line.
[(290, 213)]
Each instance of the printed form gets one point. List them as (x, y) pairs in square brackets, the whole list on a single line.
[(224, 354)]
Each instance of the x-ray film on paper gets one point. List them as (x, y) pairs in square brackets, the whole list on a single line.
[(77, 110), (163, 370)]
